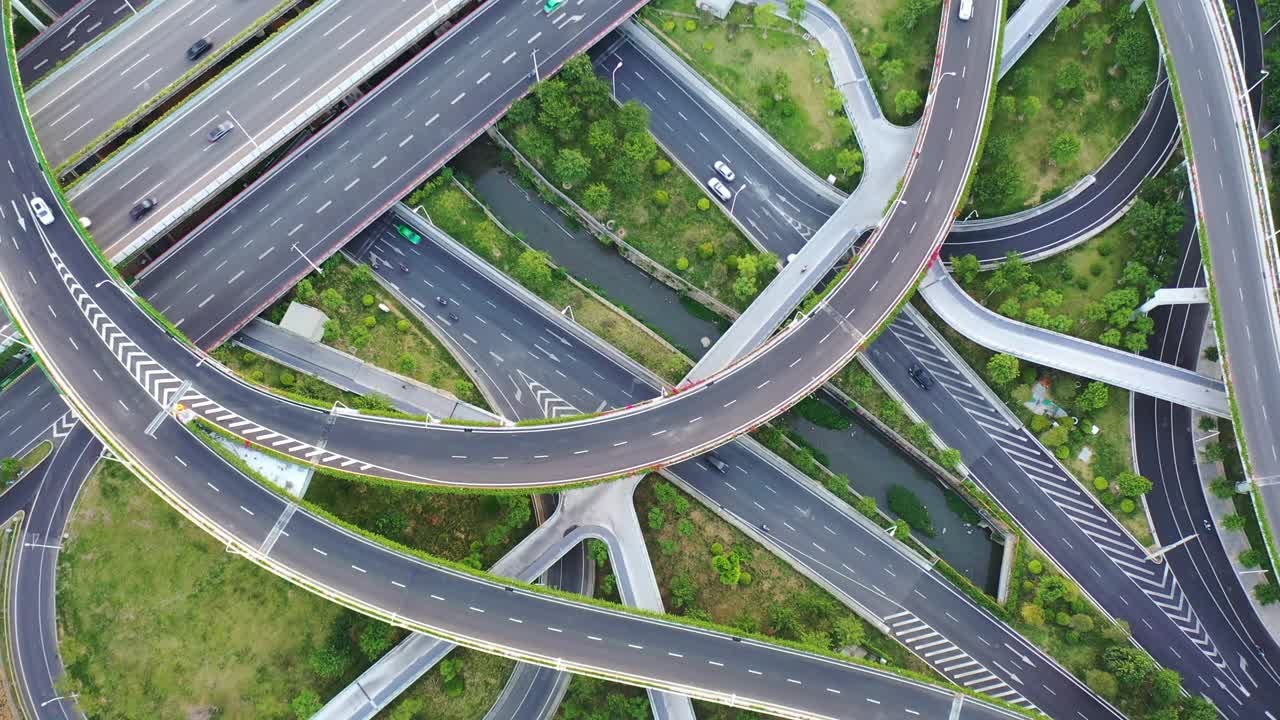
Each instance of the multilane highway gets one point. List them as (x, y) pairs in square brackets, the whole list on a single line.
[(56, 276)]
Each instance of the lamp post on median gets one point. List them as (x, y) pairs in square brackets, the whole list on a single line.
[(613, 77), (304, 257), (734, 202)]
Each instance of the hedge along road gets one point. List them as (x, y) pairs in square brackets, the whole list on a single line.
[(52, 280), (659, 432)]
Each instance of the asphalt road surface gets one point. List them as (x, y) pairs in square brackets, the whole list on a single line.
[(1228, 208), (80, 24), (72, 107)]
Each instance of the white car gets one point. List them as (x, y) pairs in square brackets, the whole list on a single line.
[(725, 171), (719, 189), (42, 211), (966, 9)]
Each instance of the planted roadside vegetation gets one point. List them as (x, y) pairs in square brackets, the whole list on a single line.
[(1066, 105), (1093, 291), (897, 41), (396, 340), (189, 630), (769, 69), (466, 221), (708, 570), (604, 158), (1223, 450)]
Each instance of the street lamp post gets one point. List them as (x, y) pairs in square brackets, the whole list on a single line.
[(244, 130), (304, 257), (613, 77), (1257, 82), (734, 202), (536, 78)]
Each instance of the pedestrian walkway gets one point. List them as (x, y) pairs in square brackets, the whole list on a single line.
[(1079, 357), (353, 374)]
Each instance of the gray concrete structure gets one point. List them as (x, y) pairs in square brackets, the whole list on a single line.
[(354, 375), (1081, 357)]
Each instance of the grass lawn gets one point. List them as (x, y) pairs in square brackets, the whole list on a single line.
[(466, 222), (746, 66), (684, 539), (897, 41), (1087, 84), (477, 529), (394, 341), (604, 158), (159, 621), (430, 698)]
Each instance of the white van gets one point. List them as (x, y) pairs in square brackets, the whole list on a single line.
[(966, 9)]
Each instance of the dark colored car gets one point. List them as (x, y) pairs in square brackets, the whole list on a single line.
[(143, 207), (920, 376), (454, 317), (220, 130), (198, 48), (716, 462)]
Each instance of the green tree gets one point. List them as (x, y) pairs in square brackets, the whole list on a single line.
[(764, 17), (601, 137), (745, 287), (1102, 682), (1132, 484), (640, 148), (632, 117), (891, 69), (966, 268), (408, 709), (1032, 614), (1267, 593), (1252, 558), (878, 50), (375, 639), (1166, 688), (1002, 369), (571, 167), (557, 111), (452, 679), (684, 593), (1095, 397), (1214, 451), (328, 663), (1064, 149), (532, 271), (332, 300), (1030, 107), (305, 291), (1007, 105), (834, 99), (597, 197), (729, 568), (950, 459), (1111, 337), (661, 166), (10, 469), (1233, 521), (1222, 488), (907, 102), (1132, 667), (795, 9), (848, 631), (1070, 79), (849, 161), (1010, 308), (1051, 298), (305, 704)]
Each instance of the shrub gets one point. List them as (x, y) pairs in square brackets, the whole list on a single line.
[(1234, 521), (906, 505), (682, 263), (1032, 614), (1252, 558), (287, 379), (690, 25), (407, 364), (1101, 484), (706, 250), (1267, 593), (950, 459), (661, 166), (1211, 353), (1127, 506), (704, 204), (708, 46), (661, 198), (1222, 488), (669, 25), (366, 300), (370, 321), (1035, 567), (717, 548), (402, 325), (1208, 424)]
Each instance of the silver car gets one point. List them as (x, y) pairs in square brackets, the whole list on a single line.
[(719, 189), (725, 171)]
